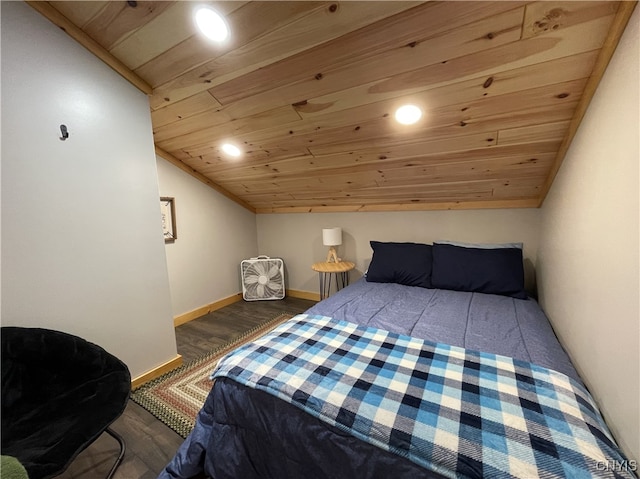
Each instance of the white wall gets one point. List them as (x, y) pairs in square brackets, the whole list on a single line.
[(214, 235), (588, 259), (297, 238), (82, 247)]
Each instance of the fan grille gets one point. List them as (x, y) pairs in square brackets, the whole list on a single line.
[(262, 279)]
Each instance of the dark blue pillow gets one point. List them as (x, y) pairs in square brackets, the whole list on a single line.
[(492, 271), (402, 263)]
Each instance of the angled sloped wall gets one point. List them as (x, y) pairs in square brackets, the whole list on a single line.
[(82, 247), (588, 271)]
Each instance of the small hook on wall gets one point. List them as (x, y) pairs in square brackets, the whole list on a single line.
[(64, 132)]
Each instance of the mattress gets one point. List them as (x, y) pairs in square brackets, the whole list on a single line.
[(244, 432), (484, 322)]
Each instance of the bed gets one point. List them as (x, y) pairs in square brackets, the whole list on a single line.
[(486, 390)]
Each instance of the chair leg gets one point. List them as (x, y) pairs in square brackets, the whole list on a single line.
[(120, 440)]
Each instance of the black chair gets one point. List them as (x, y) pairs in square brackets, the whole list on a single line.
[(59, 394)]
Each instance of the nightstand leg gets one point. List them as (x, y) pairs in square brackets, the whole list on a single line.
[(344, 280), (325, 285), (321, 278)]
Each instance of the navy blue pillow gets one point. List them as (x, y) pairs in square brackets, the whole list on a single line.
[(492, 271), (402, 263)]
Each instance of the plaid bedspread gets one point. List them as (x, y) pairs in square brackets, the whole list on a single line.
[(458, 412)]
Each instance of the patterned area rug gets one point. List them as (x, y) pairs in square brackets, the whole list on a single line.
[(176, 397)]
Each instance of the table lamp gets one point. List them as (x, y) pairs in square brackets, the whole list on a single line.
[(332, 237)]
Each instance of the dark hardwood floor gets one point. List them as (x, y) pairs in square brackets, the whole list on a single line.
[(151, 444), (200, 336)]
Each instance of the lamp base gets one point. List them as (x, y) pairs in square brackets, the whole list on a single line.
[(332, 256)]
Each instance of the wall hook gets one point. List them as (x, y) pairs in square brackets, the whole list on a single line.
[(64, 131)]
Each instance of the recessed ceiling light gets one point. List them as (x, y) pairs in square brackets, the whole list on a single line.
[(231, 150), (211, 24), (408, 114)]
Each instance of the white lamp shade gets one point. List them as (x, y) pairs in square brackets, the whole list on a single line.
[(331, 236)]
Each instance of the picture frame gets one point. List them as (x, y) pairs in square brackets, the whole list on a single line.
[(168, 215)]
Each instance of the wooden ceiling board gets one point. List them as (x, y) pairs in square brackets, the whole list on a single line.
[(314, 29), (435, 204), (534, 133), (575, 62), (394, 37), (387, 190), (247, 23), (118, 20), (392, 61), (454, 111), (81, 12), (213, 157), (482, 195), (537, 50), (370, 135), (173, 26), (411, 181), (308, 91), (484, 187), (543, 17), (198, 103), (377, 117), (502, 169), (359, 139), (227, 171), (224, 129), (170, 28), (443, 93), (524, 155)]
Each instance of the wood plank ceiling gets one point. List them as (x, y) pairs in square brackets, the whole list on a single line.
[(308, 91)]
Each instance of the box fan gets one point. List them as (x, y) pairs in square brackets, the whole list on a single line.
[(262, 278)]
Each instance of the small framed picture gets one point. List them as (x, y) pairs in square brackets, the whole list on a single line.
[(168, 213)]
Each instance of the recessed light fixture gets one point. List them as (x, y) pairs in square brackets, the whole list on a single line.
[(408, 114), (231, 150), (211, 24)]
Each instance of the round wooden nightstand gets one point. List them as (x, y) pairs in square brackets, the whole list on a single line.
[(340, 271)]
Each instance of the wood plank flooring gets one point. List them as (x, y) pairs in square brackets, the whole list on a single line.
[(151, 444)]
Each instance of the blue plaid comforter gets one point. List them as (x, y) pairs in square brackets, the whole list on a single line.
[(458, 412)]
